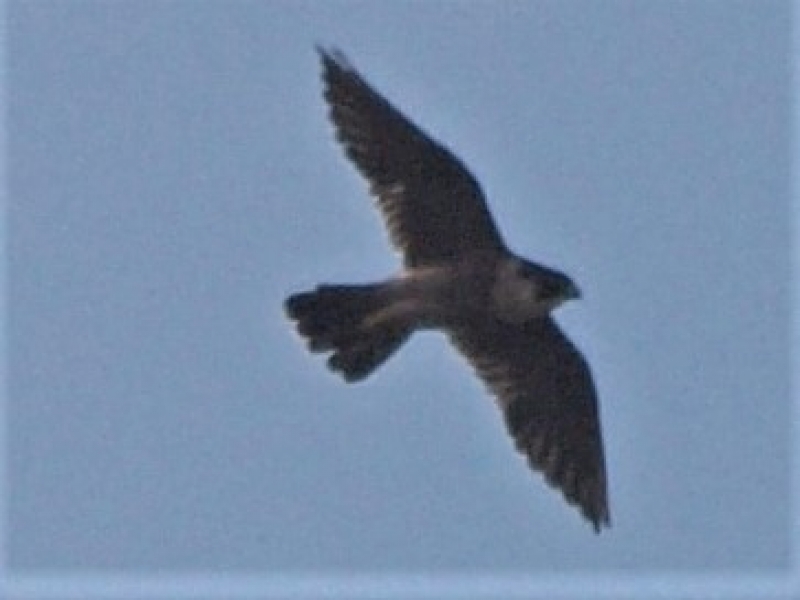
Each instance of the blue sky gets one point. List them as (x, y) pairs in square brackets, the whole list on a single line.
[(171, 177)]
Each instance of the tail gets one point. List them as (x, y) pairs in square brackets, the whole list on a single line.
[(335, 318)]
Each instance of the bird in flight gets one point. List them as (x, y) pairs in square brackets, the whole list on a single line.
[(459, 277)]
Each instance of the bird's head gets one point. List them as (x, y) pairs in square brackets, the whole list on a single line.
[(524, 290), (552, 287)]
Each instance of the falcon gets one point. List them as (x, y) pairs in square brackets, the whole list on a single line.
[(458, 276)]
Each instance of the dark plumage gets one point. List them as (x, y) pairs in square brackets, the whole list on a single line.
[(458, 277)]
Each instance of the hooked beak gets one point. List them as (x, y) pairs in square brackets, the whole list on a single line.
[(573, 293)]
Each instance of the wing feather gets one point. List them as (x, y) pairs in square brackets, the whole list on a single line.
[(433, 207), (545, 390)]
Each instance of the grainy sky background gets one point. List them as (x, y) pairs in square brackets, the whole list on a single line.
[(172, 176)]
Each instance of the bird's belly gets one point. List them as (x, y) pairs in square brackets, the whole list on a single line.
[(436, 298)]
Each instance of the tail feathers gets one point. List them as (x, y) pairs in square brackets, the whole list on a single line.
[(358, 360), (334, 318)]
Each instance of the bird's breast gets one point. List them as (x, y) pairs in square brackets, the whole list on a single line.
[(515, 298), (441, 296)]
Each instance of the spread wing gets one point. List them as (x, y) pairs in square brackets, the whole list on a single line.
[(433, 207), (546, 392)]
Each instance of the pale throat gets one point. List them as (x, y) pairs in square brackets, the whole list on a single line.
[(516, 299)]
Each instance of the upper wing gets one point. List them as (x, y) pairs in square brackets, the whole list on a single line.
[(433, 207), (545, 389)]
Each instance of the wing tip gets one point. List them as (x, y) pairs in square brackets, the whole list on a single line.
[(333, 58), (591, 502), (599, 520), (588, 493), (590, 498)]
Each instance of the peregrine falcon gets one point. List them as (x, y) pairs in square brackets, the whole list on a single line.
[(459, 277)]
